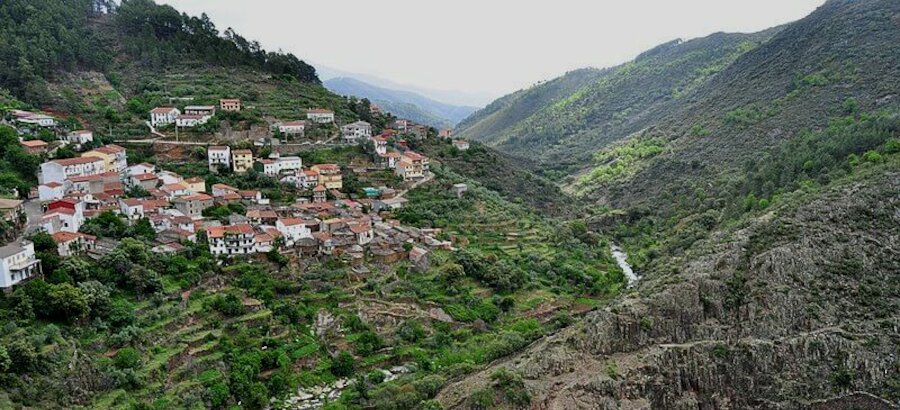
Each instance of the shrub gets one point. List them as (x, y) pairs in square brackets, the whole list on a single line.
[(367, 343), (5, 361), (512, 386), (872, 156), (842, 378), (67, 302), (229, 304), (343, 365), (429, 386), (127, 358), (720, 351), (411, 331), (218, 394), (23, 356)]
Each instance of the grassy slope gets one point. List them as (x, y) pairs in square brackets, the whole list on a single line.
[(611, 104), (488, 124), (503, 175), (797, 82)]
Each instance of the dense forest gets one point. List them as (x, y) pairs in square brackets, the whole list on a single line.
[(40, 37)]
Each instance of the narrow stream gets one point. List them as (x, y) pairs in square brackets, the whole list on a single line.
[(622, 259)]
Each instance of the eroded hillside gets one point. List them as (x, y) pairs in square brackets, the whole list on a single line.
[(790, 307)]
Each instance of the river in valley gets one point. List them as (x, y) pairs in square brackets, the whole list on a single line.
[(622, 259)]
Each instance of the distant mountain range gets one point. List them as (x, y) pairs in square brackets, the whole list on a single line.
[(454, 97), (405, 104)]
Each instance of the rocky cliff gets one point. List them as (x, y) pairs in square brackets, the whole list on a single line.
[(798, 308)]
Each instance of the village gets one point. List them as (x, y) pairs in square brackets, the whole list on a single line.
[(325, 222)]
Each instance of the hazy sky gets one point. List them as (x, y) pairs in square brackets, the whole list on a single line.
[(493, 46)]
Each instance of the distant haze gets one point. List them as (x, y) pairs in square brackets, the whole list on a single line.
[(482, 49)]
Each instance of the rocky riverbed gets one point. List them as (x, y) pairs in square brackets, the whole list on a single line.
[(310, 398)]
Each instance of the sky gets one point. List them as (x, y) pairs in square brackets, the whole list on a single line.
[(484, 48)]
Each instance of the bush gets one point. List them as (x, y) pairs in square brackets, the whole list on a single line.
[(218, 394), (229, 305), (5, 361), (66, 302), (23, 356), (429, 386), (367, 343), (512, 386), (127, 358), (872, 156), (343, 365), (411, 331)]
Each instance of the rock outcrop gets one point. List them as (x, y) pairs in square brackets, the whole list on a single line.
[(799, 308)]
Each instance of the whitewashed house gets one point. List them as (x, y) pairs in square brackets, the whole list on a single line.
[(320, 115), (51, 191), (73, 243), (292, 229), (138, 169), (80, 137), (201, 110), (59, 170), (290, 163), (169, 177), (131, 208), (37, 119), (62, 220), (231, 240), (161, 116), (219, 156), (356, 132), (292, 128), (18, 263), (190, 121), (461, 145)]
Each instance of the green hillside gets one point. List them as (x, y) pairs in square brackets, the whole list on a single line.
[(568, 118), (108, 64), (489, 123), (759, 206)]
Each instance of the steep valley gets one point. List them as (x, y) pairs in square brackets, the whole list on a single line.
[(750, 180), (767, 244)]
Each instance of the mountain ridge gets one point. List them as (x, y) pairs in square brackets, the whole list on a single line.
[(404, 104), (605, 105)]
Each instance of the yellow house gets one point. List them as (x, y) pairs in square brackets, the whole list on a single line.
[(113, 156), (242, 160), (329, 175), (195, 184)]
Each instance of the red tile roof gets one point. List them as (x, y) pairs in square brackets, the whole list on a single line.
[(34, 143), (197, 197), (64, 236), (110, 149), (292, 221), (144, 177), (221, 231), (77, 161)]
